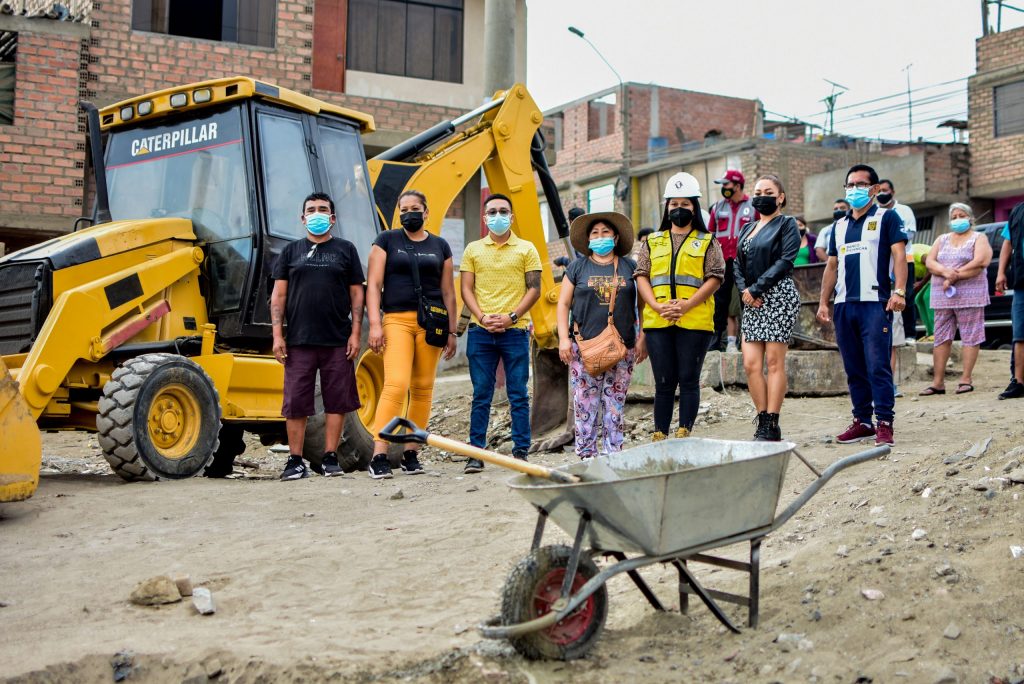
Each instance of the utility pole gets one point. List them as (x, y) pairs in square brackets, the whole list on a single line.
[(910, 107)]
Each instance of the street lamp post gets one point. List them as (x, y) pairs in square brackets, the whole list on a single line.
[(624, 119)]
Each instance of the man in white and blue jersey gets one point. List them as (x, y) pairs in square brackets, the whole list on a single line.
[(865, 247)]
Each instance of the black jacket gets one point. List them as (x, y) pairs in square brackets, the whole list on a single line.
[(771, 255)]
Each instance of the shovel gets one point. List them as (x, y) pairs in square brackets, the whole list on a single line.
[(411, 433)]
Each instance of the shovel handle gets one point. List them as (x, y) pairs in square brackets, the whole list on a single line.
[(412, 433)]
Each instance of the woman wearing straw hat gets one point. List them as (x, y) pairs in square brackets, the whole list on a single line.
[(677, 272), (605, 239)]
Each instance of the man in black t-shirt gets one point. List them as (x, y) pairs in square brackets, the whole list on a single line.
[(318, 290)]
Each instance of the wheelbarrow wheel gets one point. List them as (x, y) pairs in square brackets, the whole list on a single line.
[(534, 584)]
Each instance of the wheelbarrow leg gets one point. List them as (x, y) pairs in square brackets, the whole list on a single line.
[(691, 581), (684, 598), (538, 531), (644, 588), (755, 581), (574, 559)]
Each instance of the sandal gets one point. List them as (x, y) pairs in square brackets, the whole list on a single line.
[(929, 391), (960, 388)]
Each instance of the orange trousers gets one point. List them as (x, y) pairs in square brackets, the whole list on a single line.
[(410, 365)]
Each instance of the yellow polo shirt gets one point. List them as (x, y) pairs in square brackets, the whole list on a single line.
[(500, 273)]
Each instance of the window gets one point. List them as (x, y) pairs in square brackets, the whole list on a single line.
[(421, 39), (192, 169), (8, 50), (1009, 108), (232, 21), (353, 201), (558, 122), (601, 198), (286, 173)]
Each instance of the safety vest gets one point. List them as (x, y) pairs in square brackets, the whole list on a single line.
[(678, 275)]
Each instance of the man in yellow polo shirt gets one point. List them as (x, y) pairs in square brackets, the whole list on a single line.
[(500, 282)]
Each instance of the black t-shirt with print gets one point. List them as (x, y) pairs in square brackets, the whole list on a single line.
[(431, 254), (592, 293), (318, 308)]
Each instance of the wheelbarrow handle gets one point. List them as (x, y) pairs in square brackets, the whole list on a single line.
[(826, 475), (413, 433)]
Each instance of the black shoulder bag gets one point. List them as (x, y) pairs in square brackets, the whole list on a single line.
[(432, 316)]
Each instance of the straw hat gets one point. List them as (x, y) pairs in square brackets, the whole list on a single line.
[(579, 231)]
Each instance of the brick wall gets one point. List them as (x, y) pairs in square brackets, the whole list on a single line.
[(997, 164), (41, 153), (683, 117), (793, 163), (46, 148)]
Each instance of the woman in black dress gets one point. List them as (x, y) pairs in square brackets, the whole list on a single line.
[(763, 268)]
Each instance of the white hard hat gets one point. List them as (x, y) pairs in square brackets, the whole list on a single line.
[(682, 185)]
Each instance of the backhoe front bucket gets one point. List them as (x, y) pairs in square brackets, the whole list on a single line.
[(21, 449)]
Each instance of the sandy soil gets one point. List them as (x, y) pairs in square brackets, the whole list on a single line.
[(338, 580)]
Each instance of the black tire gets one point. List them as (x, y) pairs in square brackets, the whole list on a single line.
[(534, 583), (232, 445), (186, 395)]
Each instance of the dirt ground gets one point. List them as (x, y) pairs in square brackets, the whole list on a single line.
[(340, 580)]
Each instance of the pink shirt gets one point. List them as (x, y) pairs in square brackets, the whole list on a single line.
[(970, 292)]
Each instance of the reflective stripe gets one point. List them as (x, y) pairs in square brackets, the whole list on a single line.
[(680, 280)]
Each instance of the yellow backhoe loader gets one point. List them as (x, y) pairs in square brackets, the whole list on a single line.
[(151, 326)]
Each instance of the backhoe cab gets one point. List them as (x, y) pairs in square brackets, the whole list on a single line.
[(152, 326)]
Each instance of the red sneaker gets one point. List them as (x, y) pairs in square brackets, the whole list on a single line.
[(856, 432), (883, 436)]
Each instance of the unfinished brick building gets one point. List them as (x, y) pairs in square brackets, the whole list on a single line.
[(107, 50)]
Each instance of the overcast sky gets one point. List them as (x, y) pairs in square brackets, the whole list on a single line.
[(778, 51)]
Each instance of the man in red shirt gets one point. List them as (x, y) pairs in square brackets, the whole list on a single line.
[(728, 216)]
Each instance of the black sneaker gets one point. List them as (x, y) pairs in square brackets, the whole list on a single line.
[(521, 455), (1014, 390), (473, 465), (329, 466), (295, 469), (380, 469), (411, 464)]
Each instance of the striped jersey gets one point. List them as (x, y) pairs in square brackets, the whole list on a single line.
[(863, 247)]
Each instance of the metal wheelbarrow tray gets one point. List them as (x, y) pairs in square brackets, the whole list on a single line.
[(669, 502)]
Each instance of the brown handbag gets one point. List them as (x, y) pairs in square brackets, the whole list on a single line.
[(600, 353)]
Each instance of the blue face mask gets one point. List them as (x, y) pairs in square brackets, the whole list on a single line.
[(602, 245), (960, 225), (318, 224), (499, 224), (858, 198)]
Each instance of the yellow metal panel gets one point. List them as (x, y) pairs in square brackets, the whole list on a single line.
[(241, 88), (250, 386), (21, 450)]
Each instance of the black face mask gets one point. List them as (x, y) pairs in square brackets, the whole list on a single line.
[(728, 192), (766, 205), (412, 221), (680, 216), (838, 214), (803, 231), (884, 197)]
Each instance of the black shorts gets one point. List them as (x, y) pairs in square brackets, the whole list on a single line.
[(337, 381)]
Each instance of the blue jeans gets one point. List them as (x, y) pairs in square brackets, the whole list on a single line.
[(1017, 315), (864, 334), (484, 350)]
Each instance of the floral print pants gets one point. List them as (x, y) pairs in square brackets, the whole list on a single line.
[(589, 394)]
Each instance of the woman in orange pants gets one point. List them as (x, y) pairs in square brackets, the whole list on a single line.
[(410, 363)]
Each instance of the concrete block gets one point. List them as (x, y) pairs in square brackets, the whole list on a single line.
[(955, 353), (810, 373)]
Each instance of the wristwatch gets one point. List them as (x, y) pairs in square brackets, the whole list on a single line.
[(900, 292), (514, 316)]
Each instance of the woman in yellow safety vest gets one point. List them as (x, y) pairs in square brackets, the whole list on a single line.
[(678, 270)]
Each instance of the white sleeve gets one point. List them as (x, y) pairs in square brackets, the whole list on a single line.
[(909, 222)]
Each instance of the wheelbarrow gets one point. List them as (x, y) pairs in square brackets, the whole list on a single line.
[(666, 502)]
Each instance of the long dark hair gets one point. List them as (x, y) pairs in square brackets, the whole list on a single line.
[(698, 218)]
